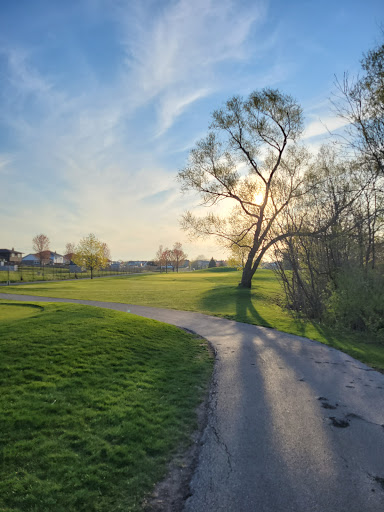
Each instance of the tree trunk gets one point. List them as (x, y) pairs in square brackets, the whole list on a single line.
[(248, 271), (246, 278), (251, 266), (91, 273)]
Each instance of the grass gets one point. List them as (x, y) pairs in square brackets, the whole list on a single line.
[(93, 402), (213, 292), (48, 273)]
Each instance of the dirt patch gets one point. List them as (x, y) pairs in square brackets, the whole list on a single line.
[(170, 494)]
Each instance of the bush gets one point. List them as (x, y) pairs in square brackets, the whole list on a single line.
[(358, 301)]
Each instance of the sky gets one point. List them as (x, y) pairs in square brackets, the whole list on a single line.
[(102, 100)]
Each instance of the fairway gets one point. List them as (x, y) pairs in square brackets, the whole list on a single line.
[(93, 404), (213, 292)]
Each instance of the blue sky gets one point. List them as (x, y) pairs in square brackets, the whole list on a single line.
[(101, 100)]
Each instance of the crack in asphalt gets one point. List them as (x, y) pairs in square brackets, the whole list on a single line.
[(223, 444), (354, 416), (212, 414)]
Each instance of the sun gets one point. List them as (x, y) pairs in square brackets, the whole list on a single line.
[(259, 198)]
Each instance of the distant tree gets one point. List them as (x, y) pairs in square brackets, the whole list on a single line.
[(167, 257), (91, 253), (159, 257), (163, 257), (70, 248), (239, 254), (196, 263), (178, 256), (106, 252), (212, 263), (41, 247)]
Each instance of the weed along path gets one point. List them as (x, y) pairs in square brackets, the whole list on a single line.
[(293, 424)]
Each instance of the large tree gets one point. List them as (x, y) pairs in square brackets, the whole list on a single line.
[(40, 245), (91, 253), (360, 102), (252, 159)]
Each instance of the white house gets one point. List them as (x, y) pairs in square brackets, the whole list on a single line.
[(56, 258)]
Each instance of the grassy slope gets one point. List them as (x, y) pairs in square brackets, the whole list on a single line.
[(92, 404), (214, 293)]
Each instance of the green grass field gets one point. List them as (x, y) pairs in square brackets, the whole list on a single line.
[(215, 293), (93, 403), (48, 273)]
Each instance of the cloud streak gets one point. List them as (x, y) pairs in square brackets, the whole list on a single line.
[(174, 59), (93, 152)]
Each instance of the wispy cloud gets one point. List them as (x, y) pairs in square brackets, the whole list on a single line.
[(98, 159), (175, 57), (323, 126)]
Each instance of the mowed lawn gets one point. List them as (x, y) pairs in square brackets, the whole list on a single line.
[(93, 403), (211, 292), (214, 292)]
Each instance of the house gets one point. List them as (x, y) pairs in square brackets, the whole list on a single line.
[(166, 267), (139, 263), (30, 259), (115, 265), (56, 259), (10, 256), (68, 258), (199, 264), (47, 257)]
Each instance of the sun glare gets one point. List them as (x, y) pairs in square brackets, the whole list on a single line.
[(259, 198)]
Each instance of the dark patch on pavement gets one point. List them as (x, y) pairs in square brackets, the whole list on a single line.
[(339, 423), (326, 405), (379, 480)]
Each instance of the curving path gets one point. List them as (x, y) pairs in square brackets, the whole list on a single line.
[(293, 426)]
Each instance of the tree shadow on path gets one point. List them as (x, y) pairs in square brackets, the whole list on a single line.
[(233, 303)]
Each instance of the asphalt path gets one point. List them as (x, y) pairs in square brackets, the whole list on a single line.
[(293, 425)]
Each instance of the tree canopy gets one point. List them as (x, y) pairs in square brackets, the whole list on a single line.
[(360, 102), (91, 253), (41, 247), (251, 158)]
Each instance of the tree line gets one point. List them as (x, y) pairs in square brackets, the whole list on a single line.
[(321, 216), (89, 253)]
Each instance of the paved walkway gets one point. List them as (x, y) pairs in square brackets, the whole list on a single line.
[(293, 425)]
